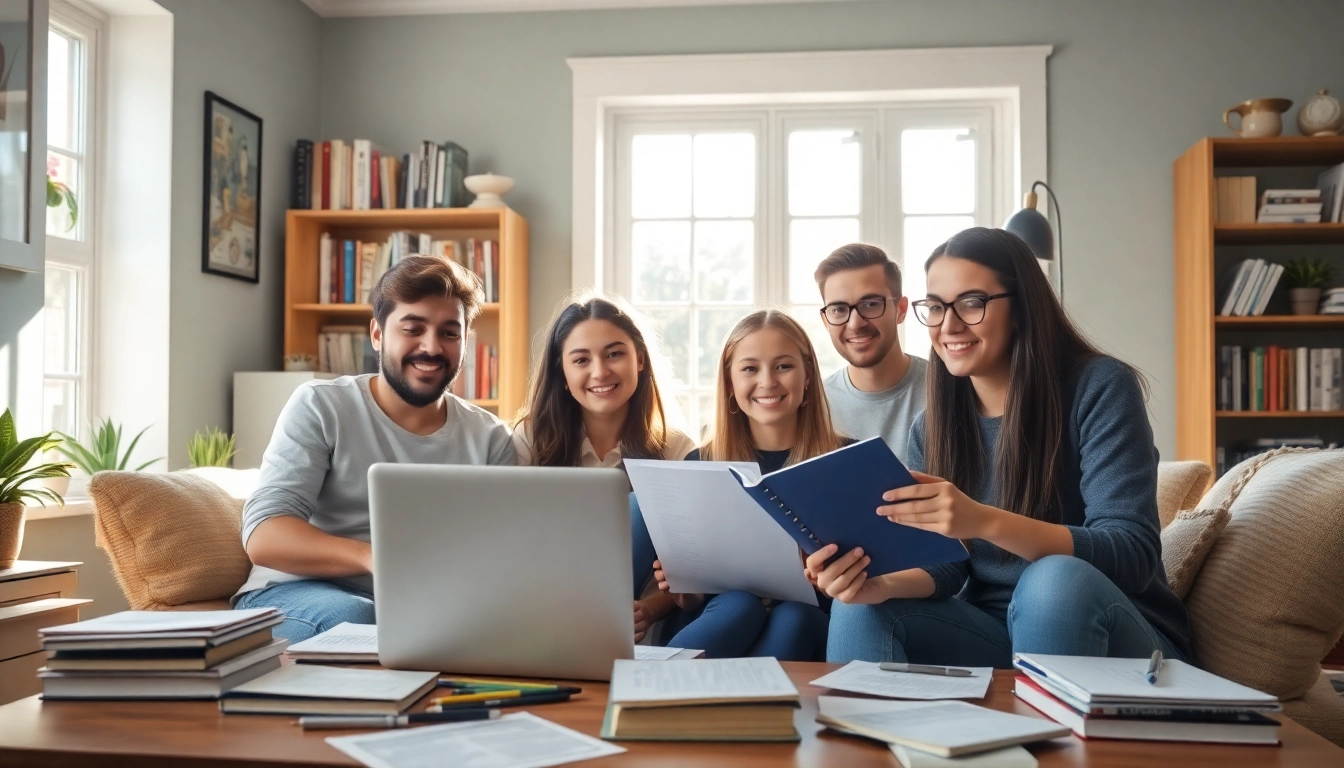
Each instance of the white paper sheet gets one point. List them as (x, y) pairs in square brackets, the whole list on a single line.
[(654, 653), (1109, 679), (344, 638), (865, 677), (312, 681), (521, 740), (690, 680), (711, 536)]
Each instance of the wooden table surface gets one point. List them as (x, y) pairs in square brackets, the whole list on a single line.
[(38, 734)]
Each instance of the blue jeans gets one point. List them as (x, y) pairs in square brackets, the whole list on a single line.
[(736, 624), (311, 607), (642, 554), (1061, 605)]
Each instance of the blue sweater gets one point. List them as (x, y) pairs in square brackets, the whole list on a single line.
[(1108, 486)]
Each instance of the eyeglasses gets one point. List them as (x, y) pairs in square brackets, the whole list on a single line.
[(869, 308), (968, 309)]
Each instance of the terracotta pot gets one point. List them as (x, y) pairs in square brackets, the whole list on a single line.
[(11, 533), (1306, 301)]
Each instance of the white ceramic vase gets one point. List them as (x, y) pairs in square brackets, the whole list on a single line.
[(488, 187)]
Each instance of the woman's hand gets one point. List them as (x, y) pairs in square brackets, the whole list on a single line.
[(686, 602), (845, 580), (641, 621), (936, 505)]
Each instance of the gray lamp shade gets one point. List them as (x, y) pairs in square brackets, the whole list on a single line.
[(1032, 226)]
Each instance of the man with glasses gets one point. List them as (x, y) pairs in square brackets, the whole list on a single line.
[(881, 390)]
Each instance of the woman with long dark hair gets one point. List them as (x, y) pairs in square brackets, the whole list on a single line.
[(1035, 450)]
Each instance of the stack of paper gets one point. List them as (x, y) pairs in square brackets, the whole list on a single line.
[(159, 654)]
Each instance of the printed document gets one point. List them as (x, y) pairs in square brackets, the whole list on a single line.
[(521, 740), (711, 537), (865, 677), (633, 682), (359, 642)]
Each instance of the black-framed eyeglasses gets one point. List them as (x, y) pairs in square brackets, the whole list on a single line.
[(869, 307), (968, 309)]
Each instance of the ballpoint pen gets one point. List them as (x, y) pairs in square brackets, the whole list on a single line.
[(923, 669), (1154, 667), (351, 722), (450, 703)]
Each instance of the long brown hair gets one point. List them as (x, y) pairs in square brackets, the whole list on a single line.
[(555, 419), (1046, 351), (730, 439)]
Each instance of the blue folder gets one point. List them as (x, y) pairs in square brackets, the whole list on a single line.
[(833, 499)]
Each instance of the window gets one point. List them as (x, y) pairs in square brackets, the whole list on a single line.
[(71, 263), (717, 212)]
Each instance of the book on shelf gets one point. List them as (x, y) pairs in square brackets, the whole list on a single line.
[(479, 379), (1275, 378), (345, 350), (1234, 199), (1250, 288), (1331, 182), (1289, 206), (360, 175)]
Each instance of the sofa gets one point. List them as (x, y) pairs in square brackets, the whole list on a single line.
[(1256, 558)]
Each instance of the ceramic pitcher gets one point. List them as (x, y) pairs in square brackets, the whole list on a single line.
[(1259, 117)]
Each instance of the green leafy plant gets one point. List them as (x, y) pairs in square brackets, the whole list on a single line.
[(59, 194), (1307, 273), (15, 472), (211, 448), (103, 451)]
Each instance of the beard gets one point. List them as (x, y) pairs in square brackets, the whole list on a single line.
[(415, 395), (872, 357)]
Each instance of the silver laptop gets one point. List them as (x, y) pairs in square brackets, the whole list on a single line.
[(501, 570)]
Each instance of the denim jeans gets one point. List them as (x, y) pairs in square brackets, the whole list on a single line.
[(311, 607), (736, 624), (642, 554), (1061, 605)]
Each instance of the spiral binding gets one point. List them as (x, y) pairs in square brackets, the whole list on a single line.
[(771, 495)]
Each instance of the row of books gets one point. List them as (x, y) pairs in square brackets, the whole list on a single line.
[(1275, 378), (1252, 285), (358, 175), (1235, 201), (349, 269), (346, 350), (479, 379), (1230, 456)]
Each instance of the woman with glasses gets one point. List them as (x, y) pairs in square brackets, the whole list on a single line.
[(1035, 450)]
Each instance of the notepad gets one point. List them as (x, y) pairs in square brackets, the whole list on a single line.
[(314, 690), (345, 642), (943, 728), (1123, 681), (833, 499), (866, 677)]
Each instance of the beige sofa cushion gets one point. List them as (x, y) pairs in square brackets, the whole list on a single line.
[(174, 539), (1180, 484), (1186, 541), (1269, 602), (1320, 709)]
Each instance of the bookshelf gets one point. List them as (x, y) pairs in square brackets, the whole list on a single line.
[(504, 324), (1205, 250)]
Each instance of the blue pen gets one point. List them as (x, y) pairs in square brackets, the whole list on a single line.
[(1154, 666)]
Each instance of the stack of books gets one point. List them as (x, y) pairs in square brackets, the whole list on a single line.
[(1289, 206), (1274, 378), (1112, 699), (1332, 301), (1235, 199), (159, 654), (349, 269), (1252, 284), (358, 175), (703, 700), (346, 350)]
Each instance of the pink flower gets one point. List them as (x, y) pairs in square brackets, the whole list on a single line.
[(53, 165)]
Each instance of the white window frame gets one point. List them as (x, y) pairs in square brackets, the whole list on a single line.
[(82, 254), (1012, 76)]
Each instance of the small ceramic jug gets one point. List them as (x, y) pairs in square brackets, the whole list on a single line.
[(1259, 117)]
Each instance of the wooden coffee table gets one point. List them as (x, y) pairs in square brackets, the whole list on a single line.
[(37, 734)]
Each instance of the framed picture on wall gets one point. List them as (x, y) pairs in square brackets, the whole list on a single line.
[(230, 242)]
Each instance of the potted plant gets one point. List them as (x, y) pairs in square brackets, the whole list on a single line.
[(15, 476), (60, 195), (1306, 278), (103, 452), (211, 448)]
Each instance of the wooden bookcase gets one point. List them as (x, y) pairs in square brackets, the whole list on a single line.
[(1206, 251), (504, 324)]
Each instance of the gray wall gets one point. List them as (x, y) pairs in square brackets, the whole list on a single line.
[(1132, 86), (263, 56)]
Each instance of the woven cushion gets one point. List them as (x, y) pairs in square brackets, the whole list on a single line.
[(1186, 541), (1269, 600), (172, 538), (1320, 709), (1180, 484)]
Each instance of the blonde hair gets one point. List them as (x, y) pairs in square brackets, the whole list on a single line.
[(730, 438)]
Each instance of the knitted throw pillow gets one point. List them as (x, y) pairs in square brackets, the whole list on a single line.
[(1186, 541)]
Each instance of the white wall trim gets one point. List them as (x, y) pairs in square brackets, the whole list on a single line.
[(840, 77), (347, 8)]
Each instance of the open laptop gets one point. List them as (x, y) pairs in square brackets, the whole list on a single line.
[(501, 570)]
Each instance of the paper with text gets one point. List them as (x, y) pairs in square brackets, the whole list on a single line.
[(355, 639), (711, 537), (521, 740), (655, 653), (691, 680), (865, 677)]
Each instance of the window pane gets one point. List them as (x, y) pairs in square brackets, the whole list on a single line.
[(61, 96), (809, 316), (938, 171), (725, 175), (61, 319), (922, 235), (661, 260), (660, 176), (60, 406), (824, 173), (673, 328), (724, 253), (63, 170), (810, 241), (714, 327), (704, 417)]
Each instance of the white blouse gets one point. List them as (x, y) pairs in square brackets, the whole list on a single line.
[(678, 445)]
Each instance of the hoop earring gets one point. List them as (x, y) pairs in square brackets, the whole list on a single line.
[(731, 402)]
